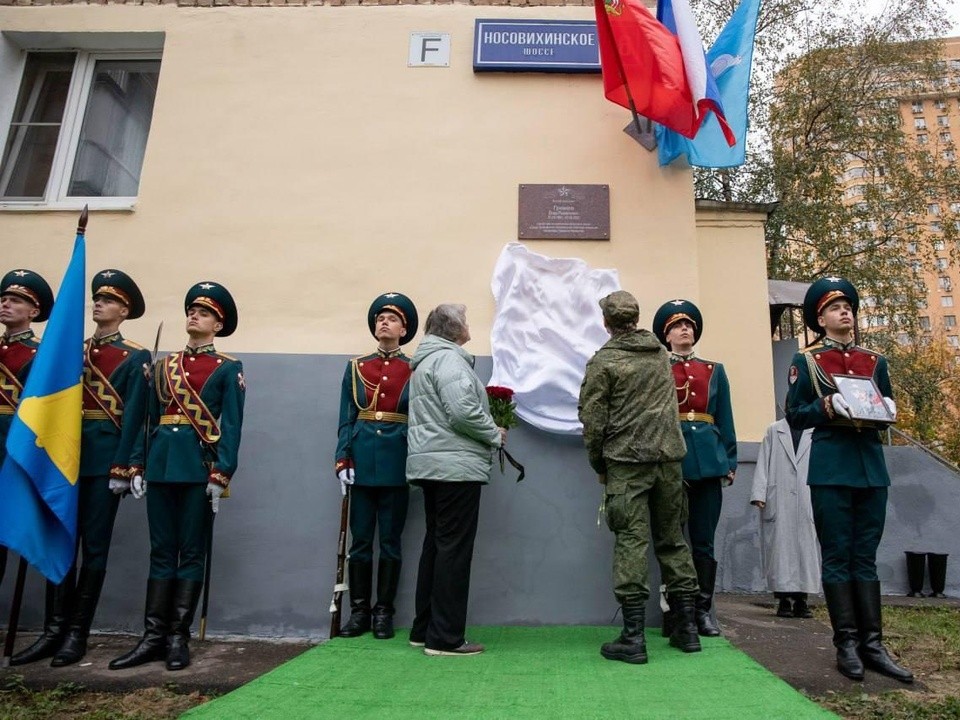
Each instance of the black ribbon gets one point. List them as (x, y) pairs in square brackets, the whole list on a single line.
[(504, 455)]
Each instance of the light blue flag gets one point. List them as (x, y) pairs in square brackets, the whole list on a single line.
[(730, 58), (38, 481)]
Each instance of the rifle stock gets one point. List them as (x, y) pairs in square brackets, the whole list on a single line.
[(339, 586)]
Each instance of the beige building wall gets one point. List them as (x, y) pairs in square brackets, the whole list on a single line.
[(296, 158)]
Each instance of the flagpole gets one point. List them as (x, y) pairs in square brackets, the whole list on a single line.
[(14, 613)]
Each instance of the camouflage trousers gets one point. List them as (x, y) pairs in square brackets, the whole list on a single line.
[(643, 501)]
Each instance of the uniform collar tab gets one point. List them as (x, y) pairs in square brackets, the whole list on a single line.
[(200, 349)]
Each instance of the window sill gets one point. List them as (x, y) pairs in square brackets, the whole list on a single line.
[(72, 205)]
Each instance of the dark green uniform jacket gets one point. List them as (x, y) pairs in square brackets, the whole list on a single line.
[(841, 453), (178, 452), (16, 357), (706, 417), (114, 406), (628, 405), (372, 435)]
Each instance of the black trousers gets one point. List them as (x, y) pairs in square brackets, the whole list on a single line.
[(97, 510), (443, 581)]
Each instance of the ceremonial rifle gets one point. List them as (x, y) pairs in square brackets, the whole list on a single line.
[(339, 586), (207, 564)]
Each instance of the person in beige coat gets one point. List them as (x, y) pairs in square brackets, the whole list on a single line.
[(790, 552)]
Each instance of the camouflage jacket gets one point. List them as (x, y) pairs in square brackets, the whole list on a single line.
[(628, 403)]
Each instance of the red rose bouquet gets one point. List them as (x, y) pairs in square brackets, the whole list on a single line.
[(502, 407), (504, 412)]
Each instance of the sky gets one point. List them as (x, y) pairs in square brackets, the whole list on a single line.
[(951, 21)]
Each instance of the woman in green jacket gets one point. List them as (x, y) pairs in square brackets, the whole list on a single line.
[(451, 437)]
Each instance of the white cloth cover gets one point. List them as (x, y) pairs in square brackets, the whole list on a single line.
[(547, 325)]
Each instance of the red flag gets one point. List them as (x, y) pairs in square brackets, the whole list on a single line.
[(642, 62)]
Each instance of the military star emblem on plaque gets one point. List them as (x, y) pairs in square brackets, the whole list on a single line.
[(108, 274), (207, 286), (21, 273)]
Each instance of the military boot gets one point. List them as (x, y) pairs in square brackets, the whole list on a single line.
[(361, 577), (937, 564), (916, 569), (631, 646), (843, 619), (153, 644), (870, 624), (685, 634), (388, 579), (74, 646), (185, 599), (706, 578), (57, 608)]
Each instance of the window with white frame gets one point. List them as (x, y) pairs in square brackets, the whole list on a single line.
[(937, 244), (79, 127), (919, 124), (943, 121), (924, 323), (940, 104), (945, 283), (942, 263), (917, 106), (921, 138), (949, 321), (953, 340), (949, 155), (946, 301), (946, 137), (933, 208)]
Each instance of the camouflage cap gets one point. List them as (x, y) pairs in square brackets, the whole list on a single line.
[(620, 309)]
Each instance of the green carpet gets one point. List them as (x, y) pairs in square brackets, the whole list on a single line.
[(527, 672)]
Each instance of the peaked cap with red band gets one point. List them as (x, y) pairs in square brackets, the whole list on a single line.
[(218, 300)]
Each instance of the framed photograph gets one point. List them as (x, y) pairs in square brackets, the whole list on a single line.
[(864, 398)]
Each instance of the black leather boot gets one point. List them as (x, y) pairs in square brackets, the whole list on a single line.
[(153, 644), (843, 619), (784, 609), (916, 568), (706, 578), (57, 609), (74, 645), (631, 646), (870, 624), (685, 634), (185, 599), (938, 574), (800, 607), (360, 577), (388, 579)]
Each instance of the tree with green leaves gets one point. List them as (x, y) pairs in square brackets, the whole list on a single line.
[(828, 146)]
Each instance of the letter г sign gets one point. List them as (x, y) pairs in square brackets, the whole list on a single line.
[(565, 46), (429, 49)]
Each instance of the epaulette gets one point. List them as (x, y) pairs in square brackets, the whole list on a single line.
[(225, 356), (817, 345), (132, 344)]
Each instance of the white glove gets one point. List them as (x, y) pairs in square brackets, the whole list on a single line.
[(891, 406), (346, 477), (840, 406), (138, 488), (215, 491), (118, 486)]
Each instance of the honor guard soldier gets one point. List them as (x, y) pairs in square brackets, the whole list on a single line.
[(371, 458), (706, 419), (195, 416), (848, 476), (25, 298), (114, 402)]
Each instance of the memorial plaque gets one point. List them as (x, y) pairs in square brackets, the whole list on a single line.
[(564, 212)]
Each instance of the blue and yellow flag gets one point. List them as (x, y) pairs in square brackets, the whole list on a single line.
[(38, 481)]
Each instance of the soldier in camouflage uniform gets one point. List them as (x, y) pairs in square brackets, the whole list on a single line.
[(628, 409)]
